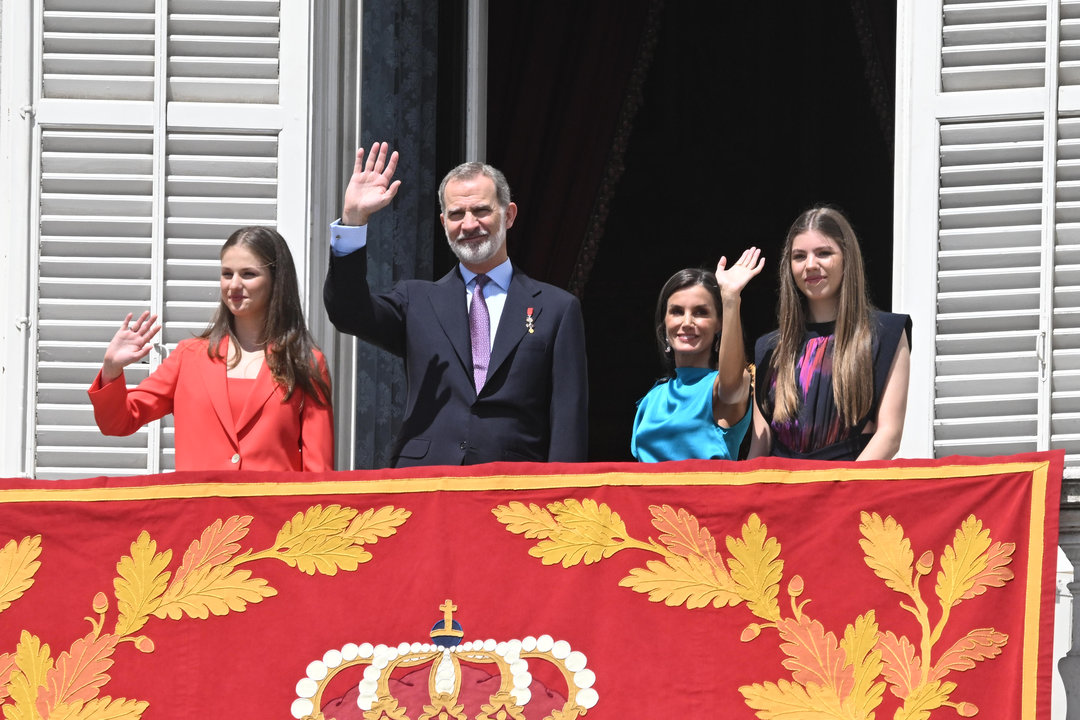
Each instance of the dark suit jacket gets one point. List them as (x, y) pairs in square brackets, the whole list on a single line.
[(534, 404)]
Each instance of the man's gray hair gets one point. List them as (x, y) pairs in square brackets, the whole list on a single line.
[(469, 170)]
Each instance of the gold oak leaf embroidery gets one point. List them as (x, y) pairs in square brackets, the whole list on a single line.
[(213, 589), (756, 568), (785, 699), (814, 656), (888, 552), (78, 672), (207, 581), (18, 564), (103, 708), (995, 574), (692, 573), (977, 645), (7, 667), (530, 520), (32, 663), (218, 544), (924, 699), (315, 540), (860, 648), (586, 532), (683, 535), (319, 540), (141, 583), (902, 667), (370, 525), (830, 679), (690, 580), (963, 562)]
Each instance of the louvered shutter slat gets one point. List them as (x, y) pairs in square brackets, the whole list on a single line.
[(101, 50), (223, 57), (1069, 43), (993, 44)]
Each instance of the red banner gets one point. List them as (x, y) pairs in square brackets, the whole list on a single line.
[(769, 589)]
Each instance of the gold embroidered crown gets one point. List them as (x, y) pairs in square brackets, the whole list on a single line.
[(536, 677)]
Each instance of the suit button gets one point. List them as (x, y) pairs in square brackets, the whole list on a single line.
[(463, 445), (235, 458)]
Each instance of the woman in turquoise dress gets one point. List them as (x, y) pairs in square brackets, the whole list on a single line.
[(701, 410)]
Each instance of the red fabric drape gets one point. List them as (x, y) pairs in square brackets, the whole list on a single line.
[(695, 589)]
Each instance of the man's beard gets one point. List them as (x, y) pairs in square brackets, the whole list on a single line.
[(471, 252)]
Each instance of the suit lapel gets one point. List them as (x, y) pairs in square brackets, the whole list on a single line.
[(448, 305), (213, 375), (522, 295), (260, 394)]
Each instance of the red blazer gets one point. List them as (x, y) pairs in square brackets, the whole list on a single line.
[(269, 435)]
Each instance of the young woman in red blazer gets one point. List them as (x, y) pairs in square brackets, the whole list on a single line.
[(251, 393)]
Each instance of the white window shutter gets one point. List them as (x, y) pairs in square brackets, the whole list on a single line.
[(161, 132), (95, 264), (988, 287), (988, 167)]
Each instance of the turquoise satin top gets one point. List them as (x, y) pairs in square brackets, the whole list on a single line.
[(675, 421)]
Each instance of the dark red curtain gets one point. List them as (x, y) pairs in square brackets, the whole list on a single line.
[(559, 76)]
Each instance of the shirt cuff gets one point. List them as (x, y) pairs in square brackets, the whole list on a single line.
[(345, 239)]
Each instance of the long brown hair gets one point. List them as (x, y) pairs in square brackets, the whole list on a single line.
[(852, 364), (290, 349)]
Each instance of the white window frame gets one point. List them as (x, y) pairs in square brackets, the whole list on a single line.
[(16, 126)]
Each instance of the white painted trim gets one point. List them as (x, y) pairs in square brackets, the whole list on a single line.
[(1049, 222), (230, 116), (63, 113), (16, 140), (915, 203), (989, 104), (155, 441), (1069, 98), (294, 146)]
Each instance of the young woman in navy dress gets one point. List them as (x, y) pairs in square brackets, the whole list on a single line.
[(832, 381)]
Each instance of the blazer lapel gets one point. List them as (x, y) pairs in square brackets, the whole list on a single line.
[(448, 306), (213, 375), (522, 295), (260, 394)]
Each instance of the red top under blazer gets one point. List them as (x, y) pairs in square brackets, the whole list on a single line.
[(269, 435)]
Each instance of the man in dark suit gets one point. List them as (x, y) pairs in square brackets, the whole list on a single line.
[(495, 372)]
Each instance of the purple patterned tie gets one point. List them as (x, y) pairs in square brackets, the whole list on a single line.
[(480, 332)]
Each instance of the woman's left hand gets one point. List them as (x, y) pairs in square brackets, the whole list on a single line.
[(732, 280)]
